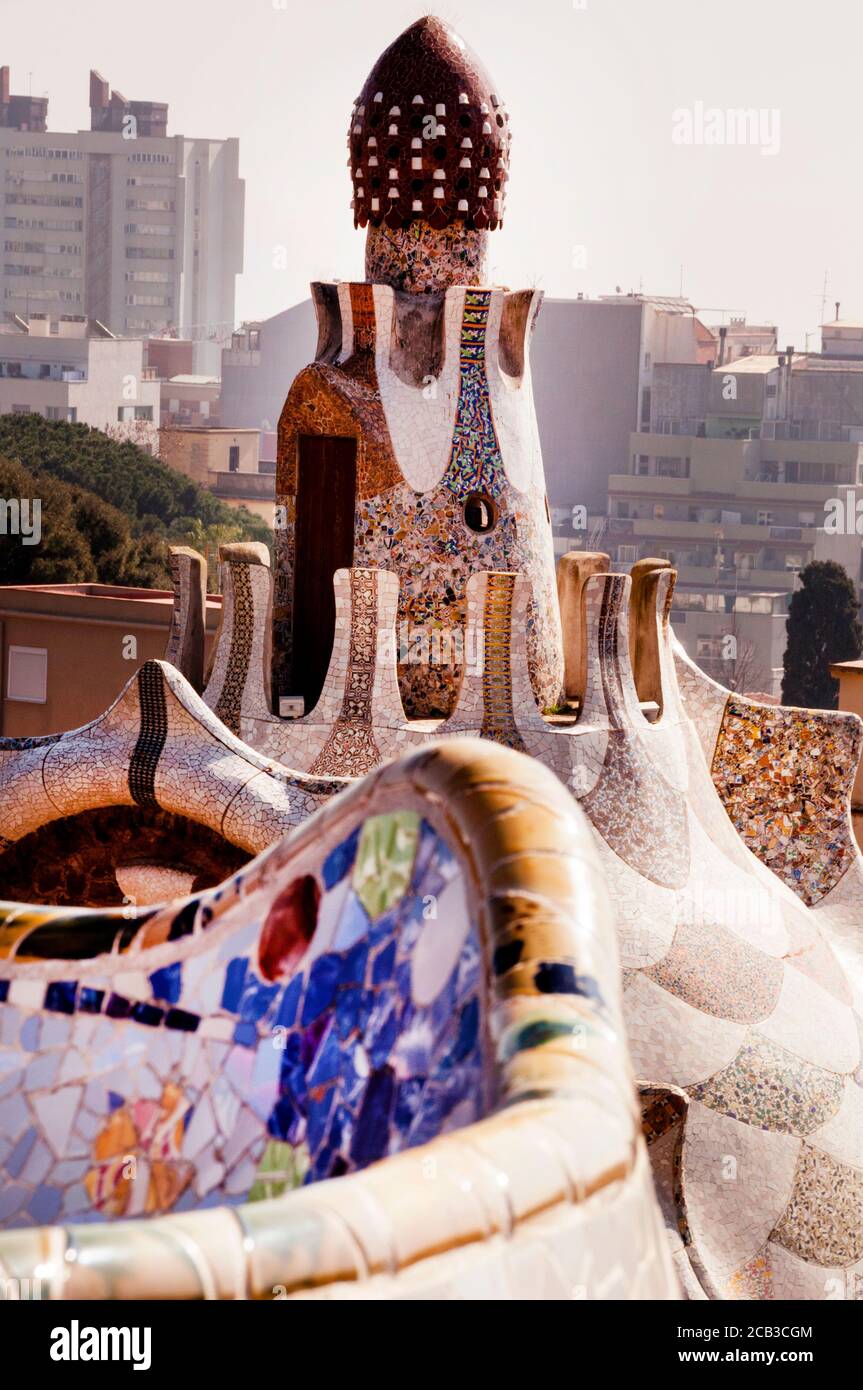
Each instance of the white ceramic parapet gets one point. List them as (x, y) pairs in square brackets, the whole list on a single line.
[(358, 720), (185, 648), (455, 1083), (238, 682)]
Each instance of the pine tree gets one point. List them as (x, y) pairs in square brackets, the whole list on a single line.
[(822, 628)]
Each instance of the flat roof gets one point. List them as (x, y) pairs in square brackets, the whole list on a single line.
[(755, 363), (109, 592), (210, 429)]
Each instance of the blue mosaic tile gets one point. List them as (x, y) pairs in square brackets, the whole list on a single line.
[(181, 1020), (60, 996), (235, 977), (340, 860), (246, 1034), (256, 998), (166, 983), (321, 987), (287, 1011), (371, 1136), (90, 1001), (148, 1014)]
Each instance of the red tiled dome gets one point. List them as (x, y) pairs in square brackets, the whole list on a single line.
[(429, 136)]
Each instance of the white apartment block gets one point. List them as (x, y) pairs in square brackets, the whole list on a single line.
[(54, 369), (737, 480), (136, 230)]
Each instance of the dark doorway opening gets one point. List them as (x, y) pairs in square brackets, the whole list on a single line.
[(326, 495)]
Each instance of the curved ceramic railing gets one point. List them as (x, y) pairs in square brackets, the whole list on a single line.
[(157, 747), (468, 878)]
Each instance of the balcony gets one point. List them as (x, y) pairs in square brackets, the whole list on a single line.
[(250, 487)]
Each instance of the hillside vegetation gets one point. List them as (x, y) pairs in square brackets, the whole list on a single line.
[(109, 509)]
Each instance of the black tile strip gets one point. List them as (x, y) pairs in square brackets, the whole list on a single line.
[(152, 735)]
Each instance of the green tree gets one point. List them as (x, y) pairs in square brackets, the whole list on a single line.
[(148, 492), (62, 555), (822, 628), (110, 509)]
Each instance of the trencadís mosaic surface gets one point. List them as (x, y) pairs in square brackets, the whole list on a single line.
[(397, 968), (442, 982), (309, 1029)]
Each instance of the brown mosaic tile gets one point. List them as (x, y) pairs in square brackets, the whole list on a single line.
[(823, 1222), (772, 1089)]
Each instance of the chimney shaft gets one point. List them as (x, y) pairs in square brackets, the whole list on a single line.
[(99, 90), (4, 86)]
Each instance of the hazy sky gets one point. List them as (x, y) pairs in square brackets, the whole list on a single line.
[(601, 194)]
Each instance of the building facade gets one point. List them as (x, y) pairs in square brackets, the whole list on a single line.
[(44, 628), (137, 230), (224, 460), (54, 369), (747, 472)]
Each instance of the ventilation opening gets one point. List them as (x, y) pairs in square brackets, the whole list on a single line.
[(480, 513)]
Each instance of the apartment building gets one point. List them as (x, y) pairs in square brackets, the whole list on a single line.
[(137, 230), (260, 363), (738, 481), (54, 368), (45, 687), (227, 461), (592, 362), (738, 339)]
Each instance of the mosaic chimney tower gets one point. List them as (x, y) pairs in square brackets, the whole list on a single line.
[(411, 443)]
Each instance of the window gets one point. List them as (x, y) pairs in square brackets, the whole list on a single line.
[(143, 412), (671, 467), (27, 675), (62, 412), (627, 554), (480, 513), (234, 458), (707, 648), (642, 465), (765, 518)]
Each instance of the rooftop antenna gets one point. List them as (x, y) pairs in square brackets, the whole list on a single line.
[(824, 297)]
